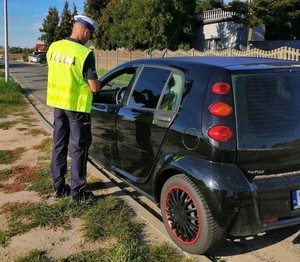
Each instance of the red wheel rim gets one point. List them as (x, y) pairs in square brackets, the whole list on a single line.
[(182, 215)]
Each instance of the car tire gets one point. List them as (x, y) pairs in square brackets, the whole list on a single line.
[(187, 217)]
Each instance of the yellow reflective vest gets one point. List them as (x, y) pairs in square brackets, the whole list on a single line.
[(67, 87)]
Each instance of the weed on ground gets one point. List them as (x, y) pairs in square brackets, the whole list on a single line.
[(10, 156)]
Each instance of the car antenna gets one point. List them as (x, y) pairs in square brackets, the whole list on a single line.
[(166, 49)]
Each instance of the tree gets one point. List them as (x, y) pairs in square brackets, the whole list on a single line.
[(203, 5), (95, 9), (148, 24), (280, 17), (74, 12), (15, 49), (104, 41), (180, 32), (127, 28), (66, 23), (238, 6), (50, 27)]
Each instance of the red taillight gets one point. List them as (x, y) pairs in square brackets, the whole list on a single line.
[(220, 133), (221, 88), (220, 109)]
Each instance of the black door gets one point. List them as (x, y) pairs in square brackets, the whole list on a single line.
[(105, 106), (144, 119)]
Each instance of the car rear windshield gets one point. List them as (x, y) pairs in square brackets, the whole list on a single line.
[(267, 109)]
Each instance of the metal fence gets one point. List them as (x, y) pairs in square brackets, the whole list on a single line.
[(108, 59)]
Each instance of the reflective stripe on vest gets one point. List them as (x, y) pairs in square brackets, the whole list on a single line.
[(67, 88)]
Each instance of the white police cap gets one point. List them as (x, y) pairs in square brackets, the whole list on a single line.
[(87, 21)]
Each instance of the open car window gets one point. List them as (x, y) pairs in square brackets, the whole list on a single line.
[(113, 85)]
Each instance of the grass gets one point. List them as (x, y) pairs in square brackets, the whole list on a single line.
[(7, 124), (25, 216), (5, 174), (3, 238), (11, 101), (26, 118), (34, 256), (123, 78), (105, 218), (108, 218), (5, 156), (9, 156), (36, 178), (45, 147), (101, 72), (41, 181), (121, 252), (37, 131), (11, 98)]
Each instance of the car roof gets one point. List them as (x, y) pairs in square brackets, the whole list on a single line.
[(233, 63)]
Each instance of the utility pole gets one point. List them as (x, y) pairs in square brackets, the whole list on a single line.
[(250, 32), (6, 41)]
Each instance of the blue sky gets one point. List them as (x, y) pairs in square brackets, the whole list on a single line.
[(25, 17)]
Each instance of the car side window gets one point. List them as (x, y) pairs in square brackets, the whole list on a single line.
[(118, 82), (149, 87), (112, 91), (172, 92)]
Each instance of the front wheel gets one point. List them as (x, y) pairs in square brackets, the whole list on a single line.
[(187, 216)]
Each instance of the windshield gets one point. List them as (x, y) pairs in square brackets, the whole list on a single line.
[(267, 109)]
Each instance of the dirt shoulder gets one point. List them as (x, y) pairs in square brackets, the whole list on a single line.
[(58, 242)]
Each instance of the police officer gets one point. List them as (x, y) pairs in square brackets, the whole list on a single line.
[(72, 80)]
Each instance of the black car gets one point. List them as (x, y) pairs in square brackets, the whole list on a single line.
[(214, 141), (41, 58)]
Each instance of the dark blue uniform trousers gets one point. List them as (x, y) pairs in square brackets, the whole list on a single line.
[(75, 127)]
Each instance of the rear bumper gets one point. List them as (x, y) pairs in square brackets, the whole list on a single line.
[(271, 206), (281, 223), (247, 222)]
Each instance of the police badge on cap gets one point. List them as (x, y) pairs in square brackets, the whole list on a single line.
[(87, 21)]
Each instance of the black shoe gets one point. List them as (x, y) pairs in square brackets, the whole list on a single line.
[(61, 192), (85, 195)]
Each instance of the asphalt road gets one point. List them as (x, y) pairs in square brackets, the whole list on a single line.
[(277, 245)]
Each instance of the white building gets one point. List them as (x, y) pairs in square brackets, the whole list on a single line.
[(216, 30)]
